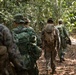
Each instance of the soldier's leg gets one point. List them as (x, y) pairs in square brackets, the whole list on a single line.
[(62, 50), (53, 61), (61, 54), (47, 57), (47, 66)]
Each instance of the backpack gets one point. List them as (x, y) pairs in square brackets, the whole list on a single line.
[(26, 42), (49, 35), (23, 38), (5, 67)]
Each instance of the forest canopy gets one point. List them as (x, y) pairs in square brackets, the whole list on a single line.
[(38, 11)]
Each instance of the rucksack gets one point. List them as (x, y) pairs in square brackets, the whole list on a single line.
[(49, 35), (26, 42), (20, 37), (5, 67)]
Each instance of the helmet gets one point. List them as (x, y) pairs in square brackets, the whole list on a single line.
[(50, 20), (18, 18)]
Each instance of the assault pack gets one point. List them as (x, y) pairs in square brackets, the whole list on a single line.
[(49, 35), (26, 41)]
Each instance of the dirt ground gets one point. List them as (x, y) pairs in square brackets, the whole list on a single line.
[(68, 67)]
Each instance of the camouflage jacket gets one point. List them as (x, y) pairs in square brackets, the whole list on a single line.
[(33, 38), (64, 36), (28, 34), (62, 31), (6, 40), (29, 50)]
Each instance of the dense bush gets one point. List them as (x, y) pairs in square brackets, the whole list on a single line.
[(38, 11)]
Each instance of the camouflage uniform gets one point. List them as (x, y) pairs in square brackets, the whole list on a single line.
[(27, 50), (49, 48), (64, 37), (8, 53)]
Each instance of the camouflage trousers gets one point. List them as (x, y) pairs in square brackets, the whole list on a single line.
[(61, 52), (50, 59), (5, 66)]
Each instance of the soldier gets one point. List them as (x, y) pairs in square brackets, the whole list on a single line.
[(25, 38), (64, 40), (8, 52), (49, 42), (27, 25)]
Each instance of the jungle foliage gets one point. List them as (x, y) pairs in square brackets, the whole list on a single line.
[(38, 11)]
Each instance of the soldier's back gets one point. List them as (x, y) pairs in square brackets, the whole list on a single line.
[(5, 66), (48, 35)]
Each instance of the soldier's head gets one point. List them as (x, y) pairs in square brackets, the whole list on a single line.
[(19, 19), (50, 21), (60, 21)]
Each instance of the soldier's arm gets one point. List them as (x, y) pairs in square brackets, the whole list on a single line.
[(57, 39), (65, 32), (68, 40)]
